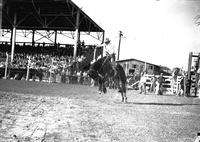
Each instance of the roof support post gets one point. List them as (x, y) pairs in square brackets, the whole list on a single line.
[(103, 37), (11, 33), (13, 37), (76, 34), (55, 41), (33, 38)]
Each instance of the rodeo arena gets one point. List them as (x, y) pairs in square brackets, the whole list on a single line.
[(52, 90)]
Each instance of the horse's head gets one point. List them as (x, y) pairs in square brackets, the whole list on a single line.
[(82, 66), (96, 68)]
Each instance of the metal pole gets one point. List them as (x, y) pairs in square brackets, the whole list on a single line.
[(120, 35), (76, 34)]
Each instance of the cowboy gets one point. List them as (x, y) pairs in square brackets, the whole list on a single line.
[(159, 84), (153, 83), (109, 52), (142, 83)]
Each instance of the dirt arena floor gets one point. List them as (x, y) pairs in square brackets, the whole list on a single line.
[(51, 112)]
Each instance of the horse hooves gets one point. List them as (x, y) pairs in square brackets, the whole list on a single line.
[(124, 100), (104, 90)]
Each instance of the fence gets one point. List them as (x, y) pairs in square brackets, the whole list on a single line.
[(169, 86), (193, 85), (41, 74)]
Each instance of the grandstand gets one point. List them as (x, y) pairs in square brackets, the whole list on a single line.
[(32, 18)]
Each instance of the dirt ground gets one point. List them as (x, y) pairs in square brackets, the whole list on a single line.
[(49, 112)]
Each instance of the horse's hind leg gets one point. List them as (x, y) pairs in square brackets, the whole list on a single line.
[(124, 97), (104, 89), (100, 87)]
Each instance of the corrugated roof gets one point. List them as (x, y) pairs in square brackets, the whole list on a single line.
[(46, 15), (132, 59)]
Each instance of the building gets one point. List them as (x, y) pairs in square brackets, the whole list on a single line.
[(137, 66)]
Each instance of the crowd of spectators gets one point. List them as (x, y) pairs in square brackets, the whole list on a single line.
[(48, 59)]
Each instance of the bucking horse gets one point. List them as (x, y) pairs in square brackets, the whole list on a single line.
[(102, 70)]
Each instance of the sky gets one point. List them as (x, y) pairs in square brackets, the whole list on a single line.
[(161, 32)]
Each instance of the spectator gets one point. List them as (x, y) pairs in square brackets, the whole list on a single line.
[(142, 82), (41, 58), (181, 87), (159, 84), (153, 84)]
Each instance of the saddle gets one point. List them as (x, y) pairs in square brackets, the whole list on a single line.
[(111, 58)]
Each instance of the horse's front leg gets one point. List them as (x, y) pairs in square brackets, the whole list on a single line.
[(124, 97), (100, 86), (104, 88), (122, 90), (119, 86)]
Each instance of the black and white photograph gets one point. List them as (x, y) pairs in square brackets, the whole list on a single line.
[(99, 71)]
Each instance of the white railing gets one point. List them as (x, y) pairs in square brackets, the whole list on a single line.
[(169, 86)]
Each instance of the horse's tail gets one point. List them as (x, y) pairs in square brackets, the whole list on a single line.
[(122, 77), (124, 87)]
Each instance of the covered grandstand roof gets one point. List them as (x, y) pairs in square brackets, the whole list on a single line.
[(45, 15)]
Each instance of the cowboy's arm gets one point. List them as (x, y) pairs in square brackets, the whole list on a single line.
[(100, 45)]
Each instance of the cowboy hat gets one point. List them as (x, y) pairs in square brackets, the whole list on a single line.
[(107, 40)]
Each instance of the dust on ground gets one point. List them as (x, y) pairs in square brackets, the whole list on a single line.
[(98, 118)]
